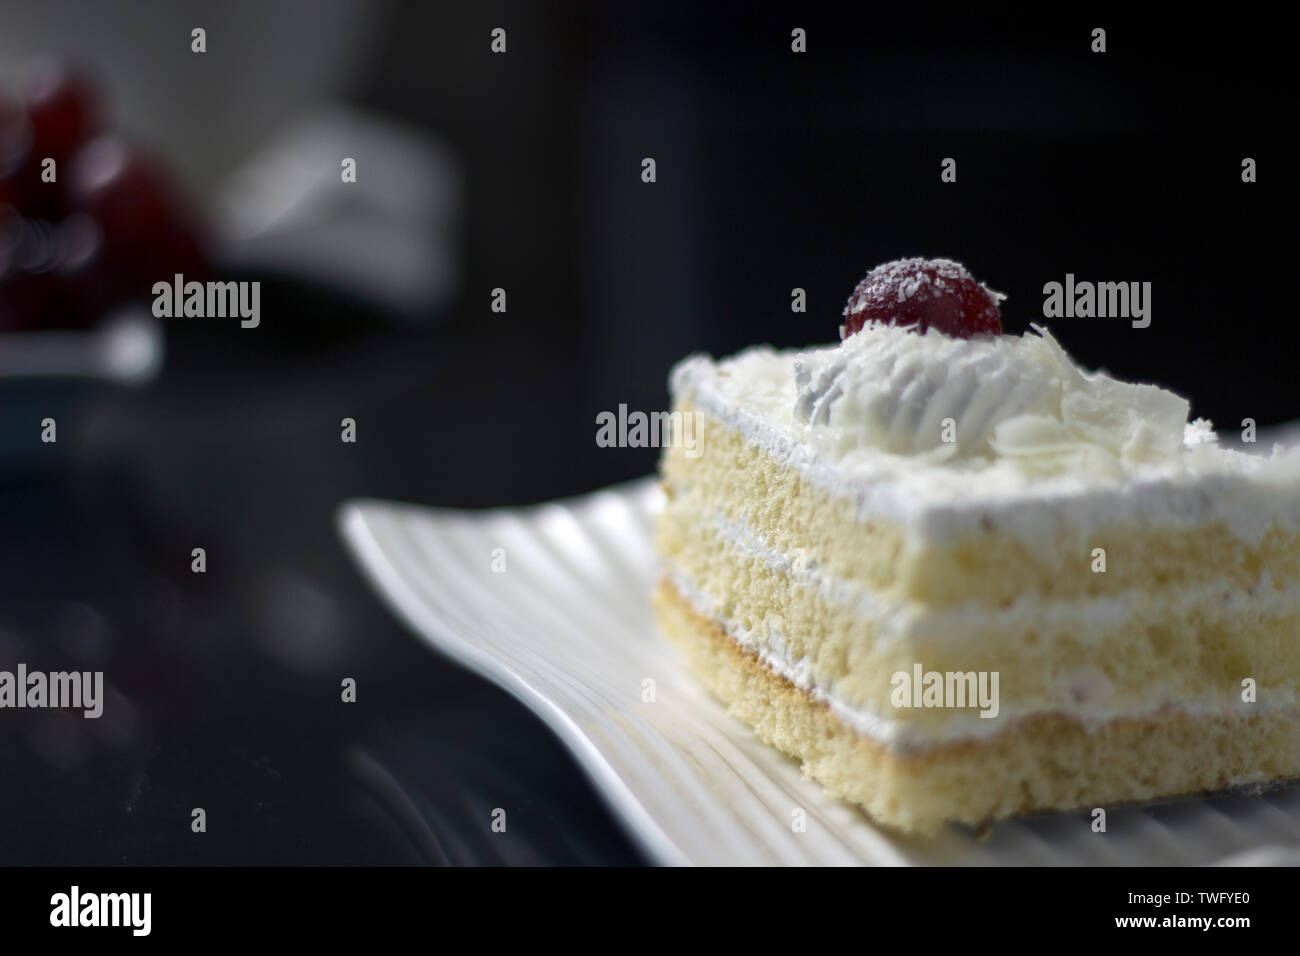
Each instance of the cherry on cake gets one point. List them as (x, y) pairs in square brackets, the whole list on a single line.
[(959, 578)]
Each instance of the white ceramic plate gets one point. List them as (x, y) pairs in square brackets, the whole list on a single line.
[(551, 603)]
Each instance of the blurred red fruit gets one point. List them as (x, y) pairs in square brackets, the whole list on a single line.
[(112, 224), (88, 284), (139, 209), (65, 111), (15, 140), (15, 136)]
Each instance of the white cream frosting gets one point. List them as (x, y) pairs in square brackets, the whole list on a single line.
[(1036, 439)]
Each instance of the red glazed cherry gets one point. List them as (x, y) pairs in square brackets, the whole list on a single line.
[(925, 293)]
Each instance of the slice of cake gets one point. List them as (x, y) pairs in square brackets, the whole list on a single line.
[(960, 578)]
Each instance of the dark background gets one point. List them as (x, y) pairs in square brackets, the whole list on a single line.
[(775, 170)]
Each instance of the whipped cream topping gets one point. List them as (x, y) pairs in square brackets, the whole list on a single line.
[(989, 396), (914, 423)]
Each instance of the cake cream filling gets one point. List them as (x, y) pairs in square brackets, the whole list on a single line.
[(898, 620), (942, 434), (895, 620), (963, 725)]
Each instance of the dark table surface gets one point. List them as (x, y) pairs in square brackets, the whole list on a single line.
[(224, 687)]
